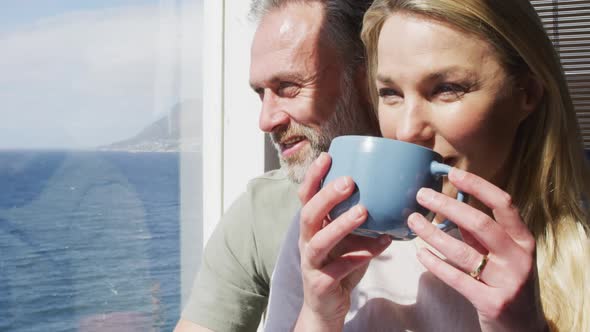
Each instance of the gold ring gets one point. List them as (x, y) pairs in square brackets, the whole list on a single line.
[(475, 274)]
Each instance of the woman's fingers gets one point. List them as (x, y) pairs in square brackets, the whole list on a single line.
[(512, 223), (498, 201), (356, 243), (490, 301), (314, 212), (480, 225), (484, 191), (474, 291), (313, 177), (318, 247), (505, 238), (498, 280), (344, 265), (458, 253), (472, 241)]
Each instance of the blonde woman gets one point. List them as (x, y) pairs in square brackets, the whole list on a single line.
[(480, 83)]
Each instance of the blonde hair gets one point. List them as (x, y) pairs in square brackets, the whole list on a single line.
[(550, 183)]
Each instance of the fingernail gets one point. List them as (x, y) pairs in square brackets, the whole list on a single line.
[(415, 222), (425, 195), (321, 159), (356, 213), (458, 173), (342, 184)]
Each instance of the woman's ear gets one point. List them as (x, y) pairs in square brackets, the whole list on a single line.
[(531, 90)]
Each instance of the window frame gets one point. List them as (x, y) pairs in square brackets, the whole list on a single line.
[(233, 147)]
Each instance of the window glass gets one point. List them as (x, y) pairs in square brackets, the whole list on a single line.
[(92, 97), (568, 25)]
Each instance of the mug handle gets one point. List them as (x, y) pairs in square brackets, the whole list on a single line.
[(438, 169)]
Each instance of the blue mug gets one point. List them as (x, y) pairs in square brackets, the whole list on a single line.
[(388, 173)]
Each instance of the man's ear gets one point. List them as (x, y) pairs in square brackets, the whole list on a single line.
[(531, 90)]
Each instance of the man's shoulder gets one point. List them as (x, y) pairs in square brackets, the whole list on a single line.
[(273, 187), (269, 195), (275, 179), (273, 192)]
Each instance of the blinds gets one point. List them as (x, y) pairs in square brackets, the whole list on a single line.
[(568, 25)]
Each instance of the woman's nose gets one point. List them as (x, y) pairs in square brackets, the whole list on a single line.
[(414, 125)]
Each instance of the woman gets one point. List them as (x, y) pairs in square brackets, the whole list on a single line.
[(479, 82)]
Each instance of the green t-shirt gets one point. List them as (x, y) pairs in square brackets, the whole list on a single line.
[(231, 290)]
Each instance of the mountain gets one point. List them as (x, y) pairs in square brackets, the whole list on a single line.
[(164, 134)]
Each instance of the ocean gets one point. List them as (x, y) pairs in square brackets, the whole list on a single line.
[(89, 241)]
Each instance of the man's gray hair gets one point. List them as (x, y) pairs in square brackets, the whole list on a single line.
[(344, 20)]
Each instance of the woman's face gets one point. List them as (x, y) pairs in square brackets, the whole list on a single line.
[(446, 90)]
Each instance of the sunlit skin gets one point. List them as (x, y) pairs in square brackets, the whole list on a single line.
[(446, 90), (291, 75)]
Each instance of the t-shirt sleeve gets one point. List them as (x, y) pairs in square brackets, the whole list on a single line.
[(286, 287), (228, 293)]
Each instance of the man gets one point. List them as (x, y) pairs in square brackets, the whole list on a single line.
[(307, 66)]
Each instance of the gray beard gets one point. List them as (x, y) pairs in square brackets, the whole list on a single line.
[(348, 119)]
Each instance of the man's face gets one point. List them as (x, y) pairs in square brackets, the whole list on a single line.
[(307, 96)]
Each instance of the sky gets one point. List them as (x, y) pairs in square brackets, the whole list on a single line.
[(80, 74)]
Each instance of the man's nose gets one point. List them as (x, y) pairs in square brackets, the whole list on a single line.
[(271, 114), (414, 125)]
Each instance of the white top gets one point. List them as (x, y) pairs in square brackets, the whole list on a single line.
[(396, 294)]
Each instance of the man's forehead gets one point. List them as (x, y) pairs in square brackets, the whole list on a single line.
[(287, 46), (294, 25)]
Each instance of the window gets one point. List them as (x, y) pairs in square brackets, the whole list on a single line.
[(100, 162), (568, 25)]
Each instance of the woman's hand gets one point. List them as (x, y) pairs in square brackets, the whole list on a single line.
[(332, 260), (505, 291)]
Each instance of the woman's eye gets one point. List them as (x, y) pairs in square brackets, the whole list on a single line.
[(387, 92), (450, 89), (389, 96)]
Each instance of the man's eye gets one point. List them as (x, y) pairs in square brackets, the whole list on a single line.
[(260, 93), (288, 89)]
